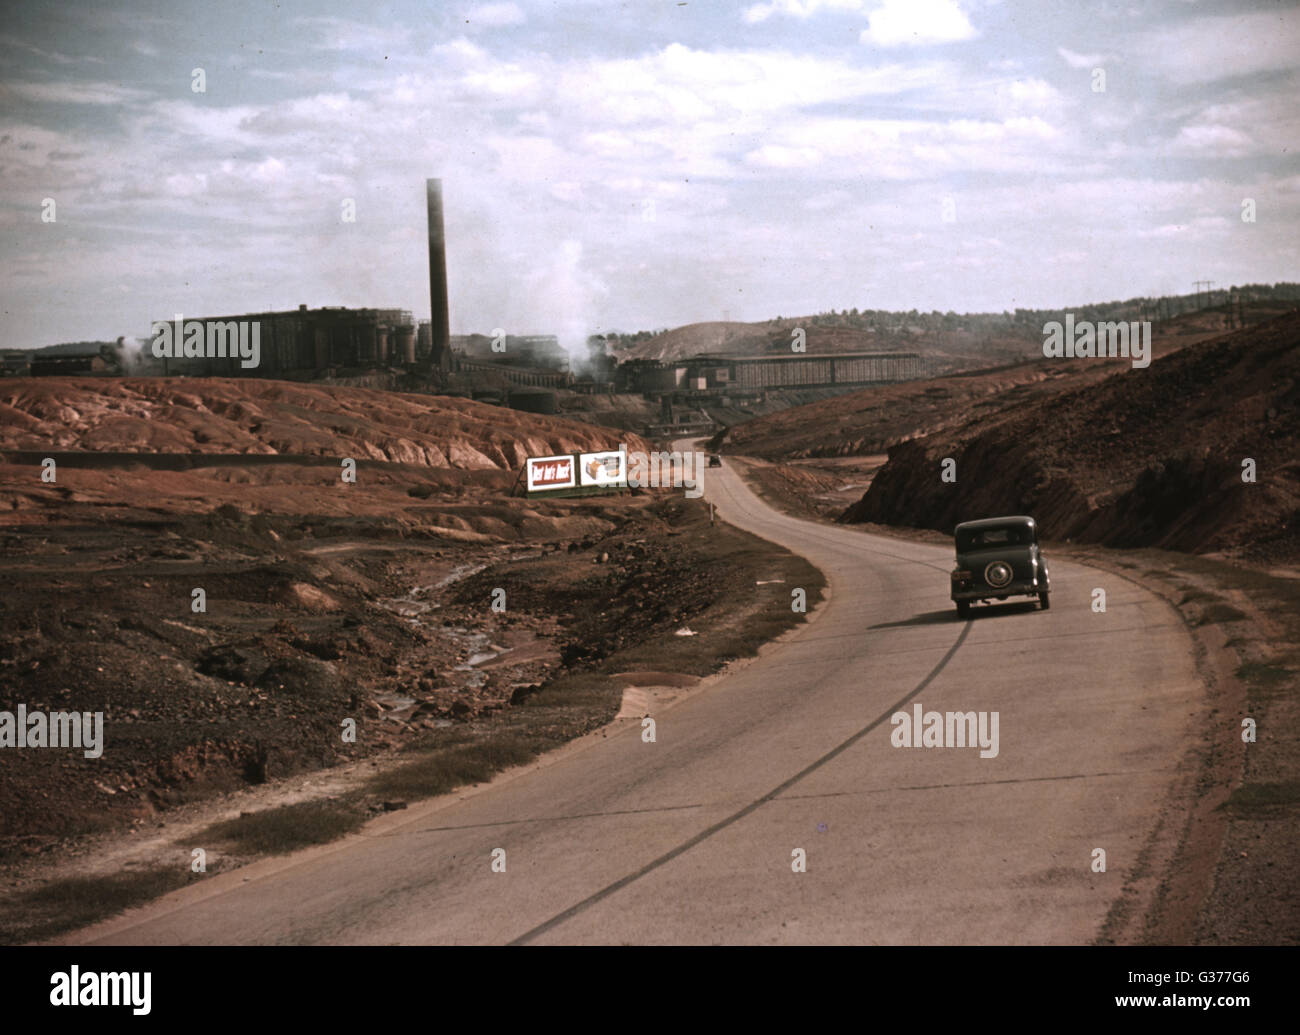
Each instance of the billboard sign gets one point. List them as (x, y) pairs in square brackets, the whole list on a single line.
[(550, 472), (608, 469)]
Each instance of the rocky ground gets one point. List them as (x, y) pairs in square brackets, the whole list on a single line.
[(251, 417), (198, 570)]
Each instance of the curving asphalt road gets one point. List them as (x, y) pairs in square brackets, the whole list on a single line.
[(691, 839)]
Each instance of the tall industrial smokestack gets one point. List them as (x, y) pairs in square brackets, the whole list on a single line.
[(440, 319)]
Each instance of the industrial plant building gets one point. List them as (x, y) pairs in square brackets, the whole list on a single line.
[(540, 351), (302, 339), (716, 374), (314, 341)]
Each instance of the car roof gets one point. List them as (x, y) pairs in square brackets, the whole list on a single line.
[(998, 522)]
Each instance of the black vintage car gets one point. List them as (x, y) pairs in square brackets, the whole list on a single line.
[(998, 558)]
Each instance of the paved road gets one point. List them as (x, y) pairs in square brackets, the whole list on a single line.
[(691, 839)]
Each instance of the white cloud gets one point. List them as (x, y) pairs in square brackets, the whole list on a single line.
[(461, 51), (1081, 60), (496, 16), (344, 34), (550, 148), (917, 22), (186, 185), (1212, 47), (500, 80), (1243, 126), (1020, 95), (270, 171), (898, 149), (687, 84), (775, 156), (798, 8), (1222, 141)]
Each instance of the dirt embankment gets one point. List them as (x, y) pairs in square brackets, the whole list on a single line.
[(227, 416), (130, 449), (870, 421), (1148, 457), (948, 349)]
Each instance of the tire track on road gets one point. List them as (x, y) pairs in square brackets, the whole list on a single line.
[(753, 806)]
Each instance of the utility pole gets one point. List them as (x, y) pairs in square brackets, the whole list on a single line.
[(1206, 284)]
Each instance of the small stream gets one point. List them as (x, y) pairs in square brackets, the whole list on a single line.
[(415, 606), (416, 603)]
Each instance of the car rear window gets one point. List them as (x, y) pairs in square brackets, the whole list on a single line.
[(988, 537)]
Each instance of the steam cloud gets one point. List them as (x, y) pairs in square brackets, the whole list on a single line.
[(130, 353), (563, 297)]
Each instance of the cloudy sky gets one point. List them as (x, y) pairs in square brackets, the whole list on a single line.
[(631, 165)]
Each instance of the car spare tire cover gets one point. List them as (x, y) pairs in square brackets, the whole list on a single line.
[(998, 574)]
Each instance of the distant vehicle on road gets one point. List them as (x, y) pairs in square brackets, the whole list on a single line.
[(998, 558), (715, 460)]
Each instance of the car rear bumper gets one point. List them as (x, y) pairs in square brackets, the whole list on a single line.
[(1018, 588)]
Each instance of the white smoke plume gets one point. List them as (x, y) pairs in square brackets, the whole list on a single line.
[(564, 295), (130, 353)]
